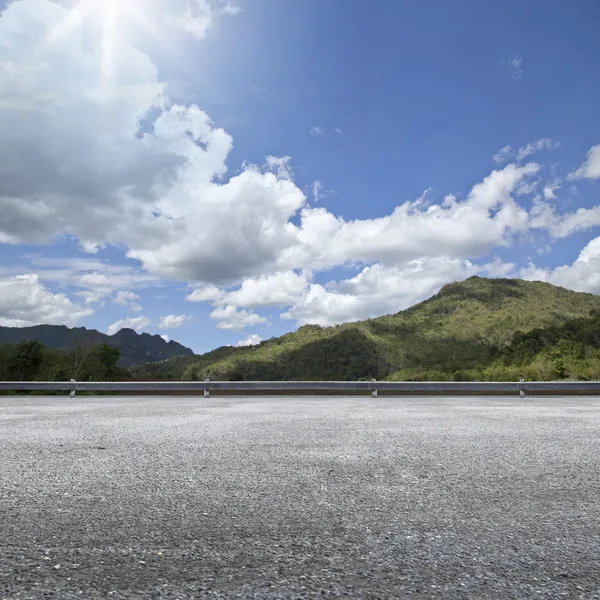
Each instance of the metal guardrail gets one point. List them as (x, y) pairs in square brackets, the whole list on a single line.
[(373, 386)]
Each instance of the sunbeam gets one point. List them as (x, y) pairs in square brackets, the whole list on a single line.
[(115, 18)]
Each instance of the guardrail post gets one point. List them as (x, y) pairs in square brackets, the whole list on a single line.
[(521, 390), (207, 392), (72, 392), (374, 388)]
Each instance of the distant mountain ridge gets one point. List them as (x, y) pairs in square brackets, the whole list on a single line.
[(135, 348)]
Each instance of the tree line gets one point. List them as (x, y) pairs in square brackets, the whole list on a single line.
[(33, 361)]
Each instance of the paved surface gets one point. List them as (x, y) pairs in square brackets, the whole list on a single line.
[(299, 498)]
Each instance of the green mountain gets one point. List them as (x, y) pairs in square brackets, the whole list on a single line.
[(135, 348), (480, 328)]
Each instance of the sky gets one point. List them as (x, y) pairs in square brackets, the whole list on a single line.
[(220, 172)]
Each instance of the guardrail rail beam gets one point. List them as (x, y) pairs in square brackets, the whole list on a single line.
[(416, 387)]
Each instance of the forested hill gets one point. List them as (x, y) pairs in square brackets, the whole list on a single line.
[(134, 348), (495, 329)]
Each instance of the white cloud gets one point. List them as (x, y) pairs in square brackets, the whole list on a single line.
[(279, 289), (533, 273), (157, 192), (317, 130), (514, 65), (206, 293), (317, 186), (497, 268), (129, 299), (95, 278), (238, 230), (487, 218), (509, 153), (229, 317), (231, 7), (527, 187), (197, 17), (590, 169), (251, 340), (91, 297), (172, 321), (504, 154), (280, 165), (165, 337), (533, 147), (24, 301), (135, 323), (337, 130), (550, 189), (543, 216), (583, 275), (377, 290)]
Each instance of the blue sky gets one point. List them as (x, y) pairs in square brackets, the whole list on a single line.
[(229, 172)]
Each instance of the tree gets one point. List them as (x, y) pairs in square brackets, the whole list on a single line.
[(106, 357), (94, 362), (80, 356), (26, 360)]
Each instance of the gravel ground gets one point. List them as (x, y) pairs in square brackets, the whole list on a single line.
[(299, 498)]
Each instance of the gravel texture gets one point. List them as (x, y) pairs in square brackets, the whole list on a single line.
[(299, 498)]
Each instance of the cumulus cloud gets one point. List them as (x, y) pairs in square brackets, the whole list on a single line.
[(156, 191), (172, 321), (279, 289), (487, 218), (317, 130), (377, 290), (206, 293), (24, 301), (280, 165), (136, 323), (165, 337), (91, 297), (550, 189), (229, 317), (498, 268), (543, 216), (590, 169), (129, 299), (251, 340), (583, 275)]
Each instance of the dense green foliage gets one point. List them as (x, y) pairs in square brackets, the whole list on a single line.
[(479, 329), (134, 348), (32, 361)]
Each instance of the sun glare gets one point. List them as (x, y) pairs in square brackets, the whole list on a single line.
[(114, 17)]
